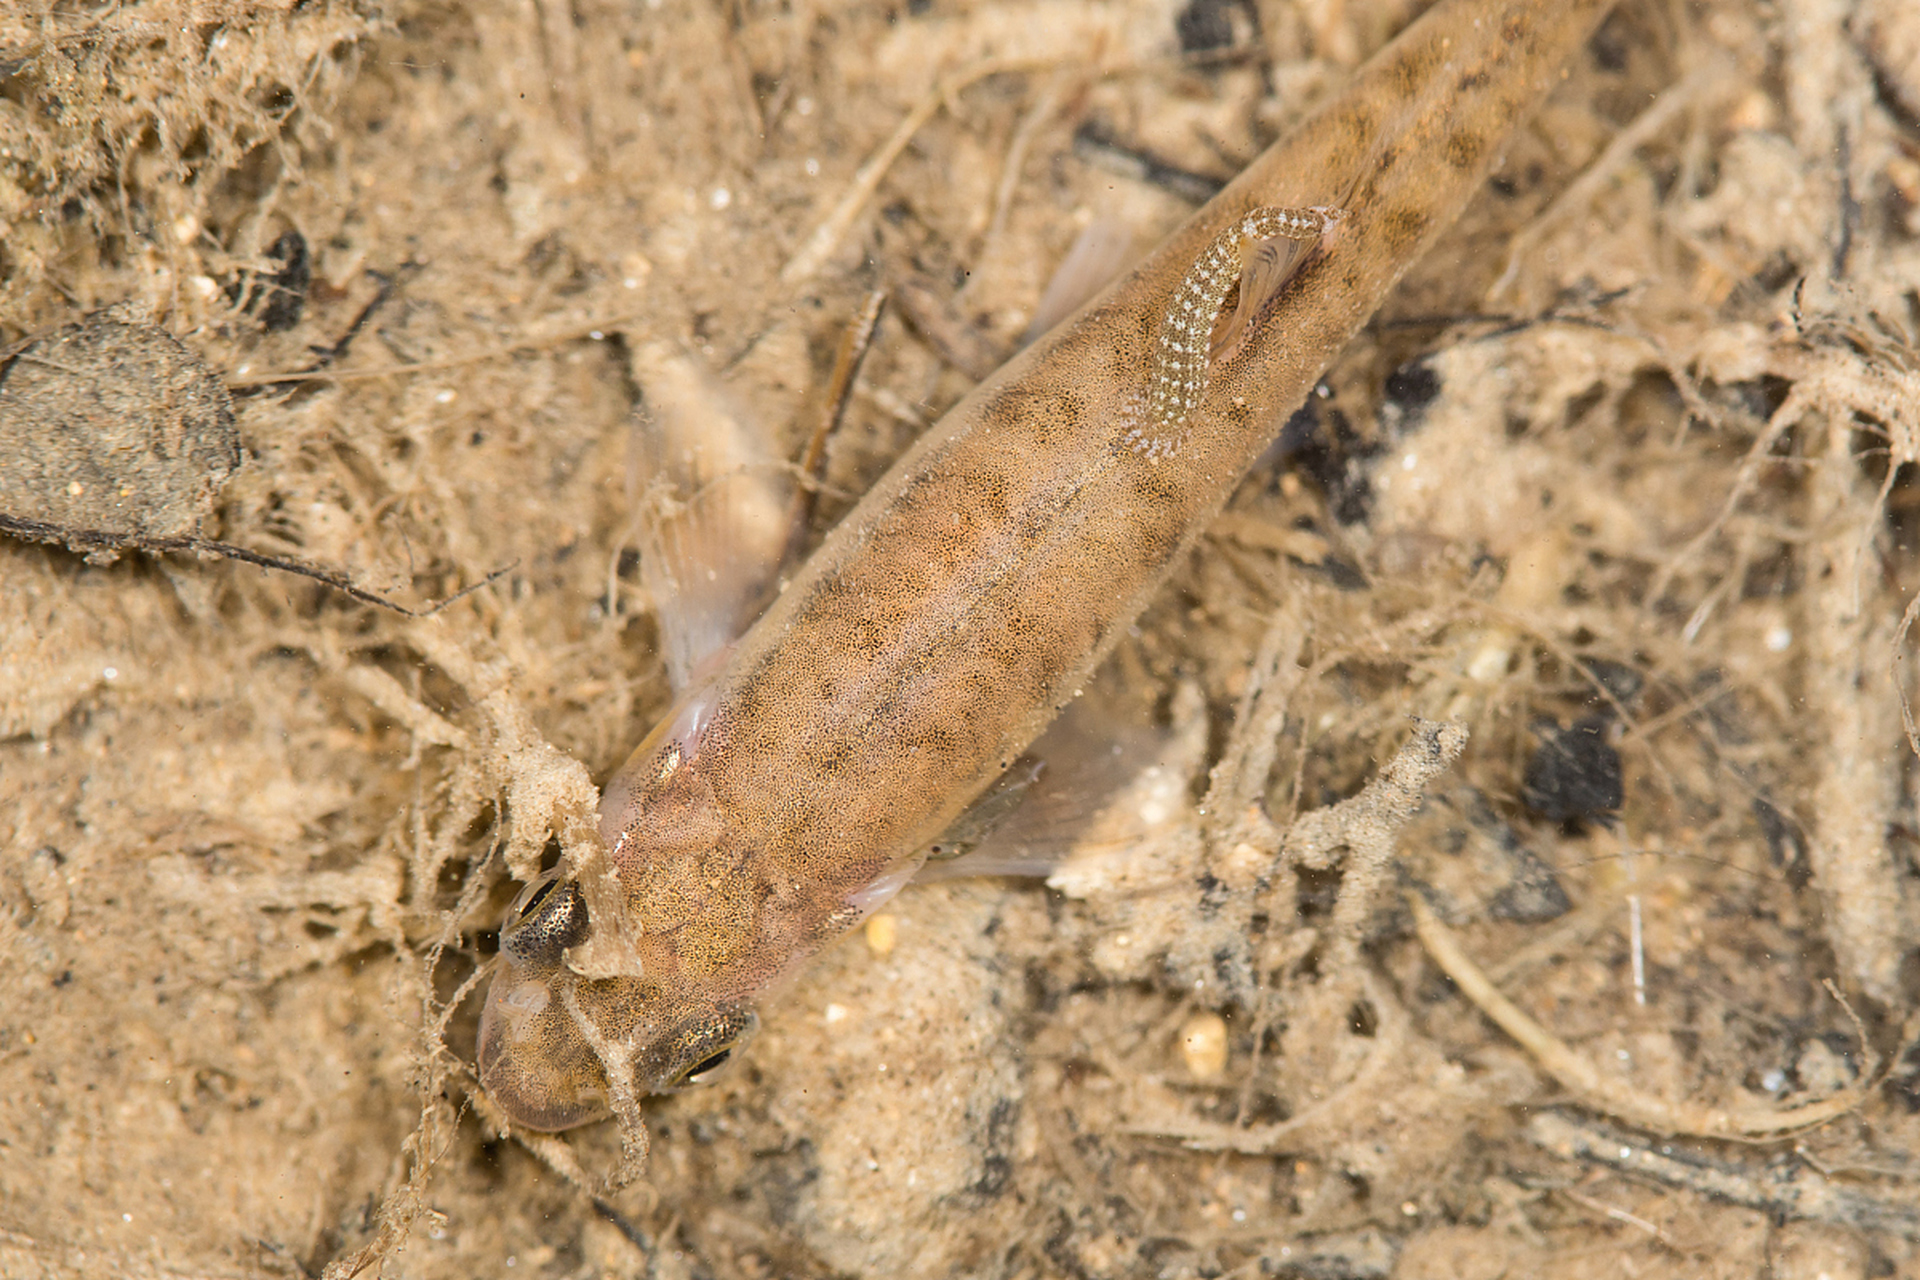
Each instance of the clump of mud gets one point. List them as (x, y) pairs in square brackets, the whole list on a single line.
[(114, 427)]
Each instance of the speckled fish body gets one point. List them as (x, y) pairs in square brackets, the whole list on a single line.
[(961, 604)]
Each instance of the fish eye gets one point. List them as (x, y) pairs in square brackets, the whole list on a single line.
[(698, 1073), (552, 918), (704, 1046), (537, 893)]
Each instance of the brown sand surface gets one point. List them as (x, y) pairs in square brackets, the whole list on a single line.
[(1620, 480)]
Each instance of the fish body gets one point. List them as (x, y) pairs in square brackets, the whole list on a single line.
[(961, 605)]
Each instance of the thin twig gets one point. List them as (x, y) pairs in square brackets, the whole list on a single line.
[(854, 345), (105, 540), (1578, 1074)]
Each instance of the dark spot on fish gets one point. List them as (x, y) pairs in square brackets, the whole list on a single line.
[(1406, 224), (1464, 149)]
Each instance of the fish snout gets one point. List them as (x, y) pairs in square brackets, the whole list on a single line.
[(533, 1060)]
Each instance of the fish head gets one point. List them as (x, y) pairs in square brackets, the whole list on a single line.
[(552, 1041)]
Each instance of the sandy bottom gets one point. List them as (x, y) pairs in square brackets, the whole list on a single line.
[(1620, 480)]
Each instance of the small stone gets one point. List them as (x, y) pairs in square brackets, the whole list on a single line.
[(1203, 1045)]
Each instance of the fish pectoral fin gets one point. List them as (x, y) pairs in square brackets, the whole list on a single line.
[(714, 509), (1094, 779)]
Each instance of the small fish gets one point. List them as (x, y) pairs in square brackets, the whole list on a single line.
[(960, 606)]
